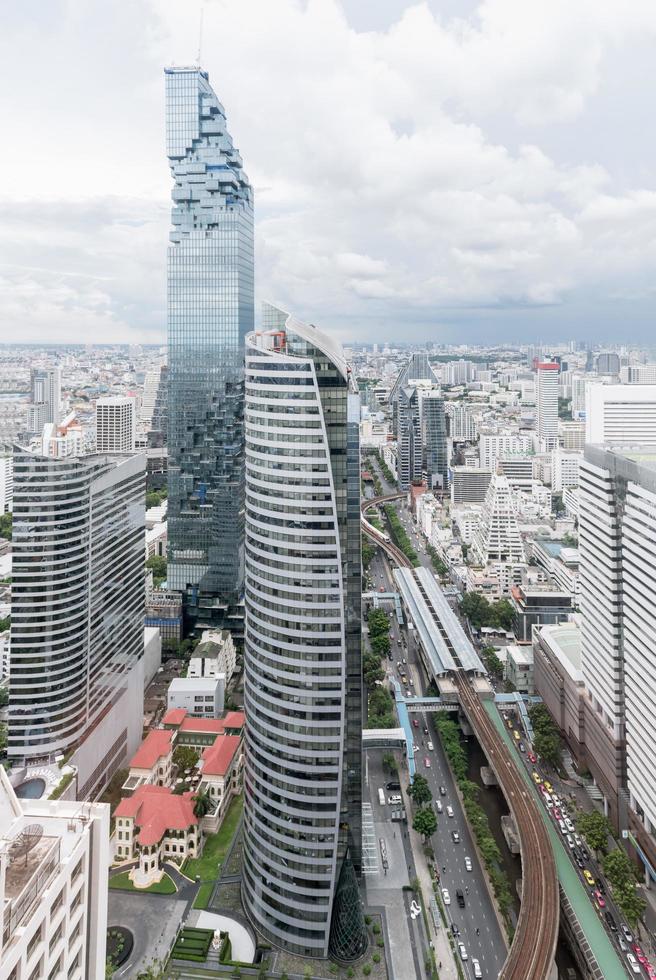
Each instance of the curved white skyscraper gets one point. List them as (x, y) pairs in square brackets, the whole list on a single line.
[(303, 684)]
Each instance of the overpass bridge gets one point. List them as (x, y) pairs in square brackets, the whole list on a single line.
[(531, 955)]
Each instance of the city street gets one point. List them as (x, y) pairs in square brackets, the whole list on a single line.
[(488, 946)]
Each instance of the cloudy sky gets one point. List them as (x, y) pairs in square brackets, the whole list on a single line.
[(448, 169)]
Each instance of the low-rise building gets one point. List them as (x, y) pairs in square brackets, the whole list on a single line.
[(519, 668), (164, 610), (54, 857), (152, 763), (156, 825), (200, 732), (214, 655), (537, 606), (221, 767), (201, 696)]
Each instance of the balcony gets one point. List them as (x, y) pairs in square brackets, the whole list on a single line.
[(26, 880)]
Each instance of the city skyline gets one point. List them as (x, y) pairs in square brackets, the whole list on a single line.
[(536, 218)]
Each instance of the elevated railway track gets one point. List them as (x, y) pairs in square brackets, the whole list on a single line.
[(531, 955)]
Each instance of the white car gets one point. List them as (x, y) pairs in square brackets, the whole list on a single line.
[(463, 951), (445, 896), (429, 745), (570, 842), (569, 825), (633, 963), (394, 800), (438, 806), (449, 811), (563, 828), (577, 840), (468, 864), (477, 969)]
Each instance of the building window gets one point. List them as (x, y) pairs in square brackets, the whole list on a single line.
[(57, 904), (34, 942)]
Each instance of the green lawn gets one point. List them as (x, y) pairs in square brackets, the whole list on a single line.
[(163, 887), (216, 846), (203, 895)]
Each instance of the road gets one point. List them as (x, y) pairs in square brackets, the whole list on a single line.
[(489, 945)]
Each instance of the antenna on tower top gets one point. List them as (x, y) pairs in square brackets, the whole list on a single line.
[(200, 33)]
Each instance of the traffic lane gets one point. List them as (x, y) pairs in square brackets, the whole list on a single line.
[(489, 946), (590, 862)]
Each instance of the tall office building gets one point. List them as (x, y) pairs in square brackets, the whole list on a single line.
[(54, 856), (408, 436), (617, 526), (461, 425), (45, 385), (78, 597), (302, 683), (608, 363), (498, 539), (620, 414), (210, 310), (115, 425), (434, 440), (546, 391)]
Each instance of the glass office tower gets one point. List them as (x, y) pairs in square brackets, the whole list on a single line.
[(210, 310), (303, 680)]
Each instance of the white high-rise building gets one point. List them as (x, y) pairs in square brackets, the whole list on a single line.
[(547, 405), (564, 470), (115, 425), (620, 415), (302, 642), (617, 530), (78, 602), (54, 860), (492, 445), (498, 539), (46, 392), (462, 426), (6, 483)]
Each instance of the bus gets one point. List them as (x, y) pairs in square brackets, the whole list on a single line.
[(381, 796)]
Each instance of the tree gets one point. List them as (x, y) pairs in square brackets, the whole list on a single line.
[(5, 526), (389, 762), (380, 645), (5, 623), (618, 868), (419, 790), (476, 608), (595, 828), (202, 803), (185, 757), (4, 697), (501, 614), (630, 902), (157, 564), (425, 822), (494, 665), (547, 747)]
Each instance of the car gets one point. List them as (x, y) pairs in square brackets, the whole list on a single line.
[(601, 901), (522, 747), (577, 839), (476, 966), (463, 952), (590, 880), (633, 963), (562, 827), (585, 852), (536, 778), (408, 694), (640, 956), (394, 784), (516, 736), (610, 921), (468, 864), (454, 929), (427, 762), (601, 887), (442, 791), (579, 862), (623, 946), (548, 801), (395, 799), (415, 723), (569, 825), (429, 745), (557, 814), (460, 898), (449, 811), (425, 730), (404, 661), (415, 747), (446, 898), (455, 836), (549, 786), (570, 842), (626, 932), (532, 757), (438, 806), (509, 723)]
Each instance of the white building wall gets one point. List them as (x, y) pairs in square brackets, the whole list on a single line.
[(620, 414)]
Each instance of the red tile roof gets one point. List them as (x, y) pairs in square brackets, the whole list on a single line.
[(202, 725), (217, 758), (175, 716), (155, 810), (234, 719), (155, 745)]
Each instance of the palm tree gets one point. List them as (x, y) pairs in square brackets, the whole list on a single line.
[(202, 803)]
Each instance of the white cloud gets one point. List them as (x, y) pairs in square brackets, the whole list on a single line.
[(381, 194)]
